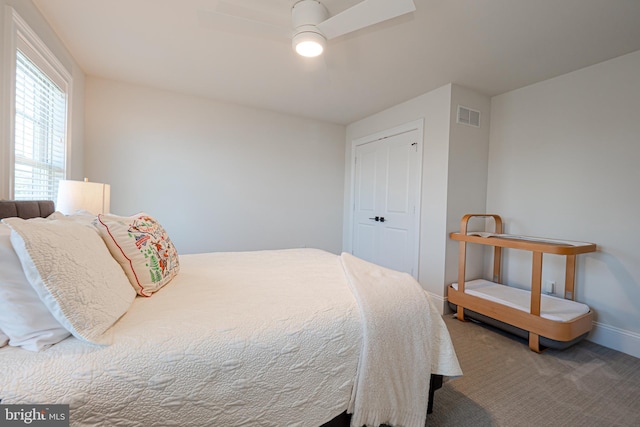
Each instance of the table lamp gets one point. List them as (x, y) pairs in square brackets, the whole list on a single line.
[(88, 196)]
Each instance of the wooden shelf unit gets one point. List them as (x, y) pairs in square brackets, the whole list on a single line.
[(532, 322)]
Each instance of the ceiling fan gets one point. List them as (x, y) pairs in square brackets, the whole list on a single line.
[(313, 27)]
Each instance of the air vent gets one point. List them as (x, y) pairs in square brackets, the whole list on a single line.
[(467, 116)]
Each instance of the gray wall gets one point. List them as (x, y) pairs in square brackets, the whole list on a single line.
[(219, 177), (563, 163)]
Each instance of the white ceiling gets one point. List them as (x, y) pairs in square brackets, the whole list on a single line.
[(492, 46)]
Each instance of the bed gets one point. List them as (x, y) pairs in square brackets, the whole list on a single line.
[(266, 338)]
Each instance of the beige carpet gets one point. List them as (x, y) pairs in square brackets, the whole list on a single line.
[(506, 384)]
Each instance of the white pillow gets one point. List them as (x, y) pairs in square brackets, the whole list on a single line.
[(143, 249), (83, 217), (24, 319), (72, 271)]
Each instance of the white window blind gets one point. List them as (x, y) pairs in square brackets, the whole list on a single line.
[(40, 132)]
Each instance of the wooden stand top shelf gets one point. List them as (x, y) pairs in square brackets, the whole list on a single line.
[(535, 244)]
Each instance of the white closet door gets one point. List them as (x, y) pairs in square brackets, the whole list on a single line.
[(386, 195)]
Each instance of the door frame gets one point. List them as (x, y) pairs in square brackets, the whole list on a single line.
[(417, 125)]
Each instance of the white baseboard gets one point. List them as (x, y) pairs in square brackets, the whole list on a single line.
[(618, 339), (609, 336), (440, 303)]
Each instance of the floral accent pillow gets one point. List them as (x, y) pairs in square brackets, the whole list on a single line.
[(143, 249)]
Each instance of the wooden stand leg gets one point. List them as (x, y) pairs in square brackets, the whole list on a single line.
[(570, 277), (534, 342)]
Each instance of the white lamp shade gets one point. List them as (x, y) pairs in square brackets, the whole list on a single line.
[(73, 196)]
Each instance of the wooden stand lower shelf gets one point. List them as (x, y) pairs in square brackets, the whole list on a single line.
[(531, 322)]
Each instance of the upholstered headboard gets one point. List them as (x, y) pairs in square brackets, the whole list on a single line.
[(26, 208)]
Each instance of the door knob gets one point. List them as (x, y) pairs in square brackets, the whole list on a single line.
[(378, 218)]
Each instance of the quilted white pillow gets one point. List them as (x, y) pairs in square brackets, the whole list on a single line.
[(24, 319), (143, 249), (74, 274), (83, 217)]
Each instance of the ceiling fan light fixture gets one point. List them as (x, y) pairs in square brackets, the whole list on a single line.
[(309, 43)]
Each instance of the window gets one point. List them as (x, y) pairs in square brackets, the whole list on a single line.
[(38, 141), (39, 133)]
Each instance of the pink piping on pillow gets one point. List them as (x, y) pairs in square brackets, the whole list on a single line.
[(124, 255)]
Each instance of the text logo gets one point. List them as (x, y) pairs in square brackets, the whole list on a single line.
[(34, 415)]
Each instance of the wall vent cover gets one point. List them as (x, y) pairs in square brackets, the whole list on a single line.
[(467, 116)]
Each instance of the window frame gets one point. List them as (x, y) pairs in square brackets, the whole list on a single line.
[(18, 34)]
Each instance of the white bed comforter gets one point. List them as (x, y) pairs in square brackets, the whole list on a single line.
[(267, 338)]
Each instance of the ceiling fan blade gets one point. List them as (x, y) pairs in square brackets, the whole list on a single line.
[(364, 14), (249, 21), (266, 12)]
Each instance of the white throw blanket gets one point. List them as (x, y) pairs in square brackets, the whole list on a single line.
[(392, 380)]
